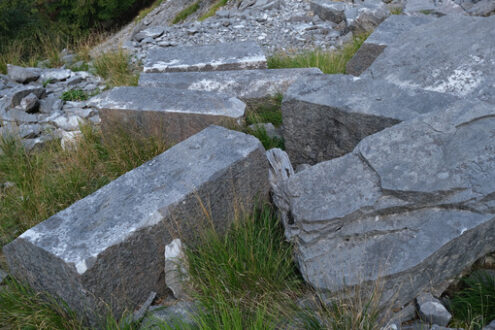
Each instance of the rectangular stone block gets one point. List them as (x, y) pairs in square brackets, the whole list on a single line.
[(243, 84), (453, 54), (171, 114), (325, 117), (109, 246), (385, 34), (224, 56)]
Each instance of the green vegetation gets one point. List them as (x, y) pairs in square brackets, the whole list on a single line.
[(268, 111), (116, 68), (142, 14), (33, 30), (244, 279), (327, 61), (474, 305), (23, 308), (48, 181), (74, 95), (213, 9), (183, 14), (396, 11)]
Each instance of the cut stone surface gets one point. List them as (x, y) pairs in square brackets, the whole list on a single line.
[(432, 310), (22, 75), (226, 56), (385, 34), (400, 209), (244, 84), (168, 113), (109, 246), (430, 7), (431, 57), (326, 116)]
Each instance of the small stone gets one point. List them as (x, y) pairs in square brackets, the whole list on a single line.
[(175, 268), (432, 310), (69, 140), (68, 123), (30, 103)]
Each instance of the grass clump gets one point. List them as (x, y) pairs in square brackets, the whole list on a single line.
[(213, 9), (116, 68), (473, 306), (396, 11), (267, 112), (74, 95), (265, 139), (183, 14), (48, 181), (237, 276), (329, 62)]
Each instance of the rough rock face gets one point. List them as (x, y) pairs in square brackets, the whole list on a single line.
[(385, 34), (171, 114), (243, 84), (227, 56), (362, 16), (326, 116), (434, 58), (110, 245), (401, 208)]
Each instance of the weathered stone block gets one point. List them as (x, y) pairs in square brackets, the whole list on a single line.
[(243, 84), (110, 245), (325, 117), (226, 56), (385, 34), (171, 114), (433, 57), (407, 211)]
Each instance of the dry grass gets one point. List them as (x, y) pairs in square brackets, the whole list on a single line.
[(117, 69)]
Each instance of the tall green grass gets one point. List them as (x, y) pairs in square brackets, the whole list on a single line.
[(48, 181), (474, 305), (246, 278), (329, 62)]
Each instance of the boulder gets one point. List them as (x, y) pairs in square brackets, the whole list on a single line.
[(326, 116), (22, 75), (406, 212), (171, 114), (15, 95), (225, 56), (434, 58), (108, 248), (385, 34), (243, 84)]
